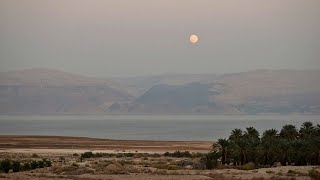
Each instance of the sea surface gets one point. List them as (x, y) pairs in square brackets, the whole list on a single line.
[(191, 127)]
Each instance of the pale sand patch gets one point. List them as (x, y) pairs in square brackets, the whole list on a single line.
[(67, 145), (72, 151)]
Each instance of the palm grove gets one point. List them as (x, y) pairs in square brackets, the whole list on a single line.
[(290, 146)]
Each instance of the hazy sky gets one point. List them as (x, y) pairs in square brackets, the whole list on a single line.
[(146, 37)]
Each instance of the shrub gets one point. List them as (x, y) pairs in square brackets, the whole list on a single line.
[(87, 155), (5, 165), (129, 154), (26, 166), (280, 173), (41, 164), (184, 163), (178, 154), (124, 162), (34, 155), (61, 158), (98, 155), (155, 155), (119, 155), (314, 174), (291, 171), (34, 164), (76, 154), (16, 166), (210, 160), (166, 166), (294, 172), (47, 163), (75, 164), (269, 172), (196, 155), (160, 172), (248, 166)]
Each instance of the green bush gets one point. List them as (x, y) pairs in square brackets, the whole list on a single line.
[(210, 160), (34, 164), (155, 155), (98, 155), (129, 154), (16, 166), (5, 165), (47, 163), (87, 155), (41, 164), (178, 154), (26, 166)]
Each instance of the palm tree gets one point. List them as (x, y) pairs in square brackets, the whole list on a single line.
[(252, 141), (236, 134), (223, 148), (307, 130), (284, 147), (239, 145), (316, 142), (269, 143), (289, 132), (252, 133), (310, 138), (288, 136)]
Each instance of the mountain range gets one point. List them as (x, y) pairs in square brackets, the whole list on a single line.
[(48, 91)]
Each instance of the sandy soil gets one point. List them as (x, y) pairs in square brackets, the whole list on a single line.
[(27, 176), (59, 144), (135, 168), (280, 173)]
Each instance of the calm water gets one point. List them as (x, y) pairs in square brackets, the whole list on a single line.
[(144, 127)]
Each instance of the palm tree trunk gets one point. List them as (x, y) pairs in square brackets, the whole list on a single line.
[(223, 158)]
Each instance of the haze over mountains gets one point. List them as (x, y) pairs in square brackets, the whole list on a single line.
[(47, 91)]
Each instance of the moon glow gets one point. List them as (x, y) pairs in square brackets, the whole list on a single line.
[(194, 39)]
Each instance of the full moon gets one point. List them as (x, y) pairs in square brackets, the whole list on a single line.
[(194, 39)]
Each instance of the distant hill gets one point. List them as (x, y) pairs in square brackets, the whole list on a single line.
[(139, 85), (51, 77), (260, 91), (47, 91), (271, 91)]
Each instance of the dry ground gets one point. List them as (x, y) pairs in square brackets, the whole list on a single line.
[(60, 151), (71, 144)]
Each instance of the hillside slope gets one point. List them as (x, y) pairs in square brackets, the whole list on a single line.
[(260, 91), (46, 91)]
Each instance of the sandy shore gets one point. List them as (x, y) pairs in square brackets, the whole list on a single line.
[(61, 144)]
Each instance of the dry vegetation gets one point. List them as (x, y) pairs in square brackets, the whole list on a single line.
[(182, 165)]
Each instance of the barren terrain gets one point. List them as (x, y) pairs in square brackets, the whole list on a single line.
[(130, 159)]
